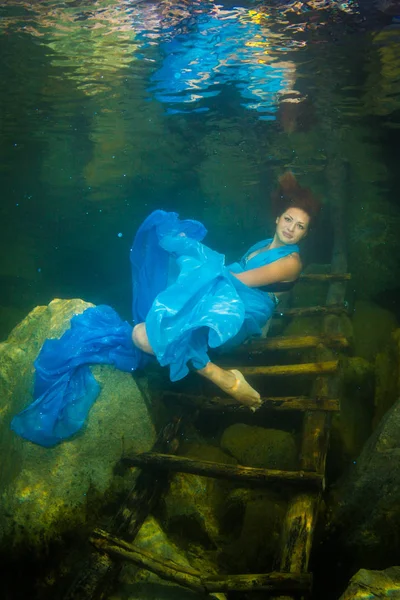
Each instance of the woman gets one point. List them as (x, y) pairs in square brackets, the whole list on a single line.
[(185, 301), (268, 268)]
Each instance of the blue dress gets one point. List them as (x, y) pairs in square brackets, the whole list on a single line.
[(189, 300)]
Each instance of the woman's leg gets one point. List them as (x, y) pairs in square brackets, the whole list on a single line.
[(231, 382), (140, 339)]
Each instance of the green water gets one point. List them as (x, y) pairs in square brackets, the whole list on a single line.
[(87, 149), (89, 146)]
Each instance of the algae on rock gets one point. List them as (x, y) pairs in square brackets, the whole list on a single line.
[(47, 492), (193, 506), (140, 584), (260, 447), (253, 526)]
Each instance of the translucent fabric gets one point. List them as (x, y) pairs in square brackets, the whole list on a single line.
[(65, 388), (189, 300)]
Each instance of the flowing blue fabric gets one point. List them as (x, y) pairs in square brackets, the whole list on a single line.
[(65, 388), (189, 300)]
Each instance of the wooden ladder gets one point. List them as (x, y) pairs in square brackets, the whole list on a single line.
[(97, 576), (308, 482)]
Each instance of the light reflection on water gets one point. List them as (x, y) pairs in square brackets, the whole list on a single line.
[(184, 47), (187, 51)]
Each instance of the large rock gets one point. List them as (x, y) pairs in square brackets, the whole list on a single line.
[(141, 584), (387, 377), (46, 492), (374, 584), (253, 527), (259, 447), (366, 501), (193, 507)]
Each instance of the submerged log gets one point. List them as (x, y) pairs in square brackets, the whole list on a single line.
[(291, 403), (317, 368), (245, 475), (95, 578), (165, 569), (199, 581), (301, 516), (298, 532)]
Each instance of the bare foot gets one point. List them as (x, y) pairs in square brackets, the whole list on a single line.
[(233, 383), (243, 392)]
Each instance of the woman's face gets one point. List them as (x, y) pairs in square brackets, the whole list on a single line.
[(292, 226)]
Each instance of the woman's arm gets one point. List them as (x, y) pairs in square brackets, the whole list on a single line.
[(284, 269)]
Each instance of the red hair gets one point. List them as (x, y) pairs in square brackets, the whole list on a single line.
[(291, 194)]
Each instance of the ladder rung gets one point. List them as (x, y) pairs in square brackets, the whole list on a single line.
[(201, 581), (274, 582), (298, 403), (312, 311), (292, 342), (320, 368), (328, 277), (223, 471)]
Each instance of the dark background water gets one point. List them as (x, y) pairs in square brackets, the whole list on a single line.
[(89, 145)]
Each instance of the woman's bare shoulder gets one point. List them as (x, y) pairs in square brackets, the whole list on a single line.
[(295, 263)]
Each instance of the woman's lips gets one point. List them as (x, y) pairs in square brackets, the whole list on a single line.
[(287, 235)]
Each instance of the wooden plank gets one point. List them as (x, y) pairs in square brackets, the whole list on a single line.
[(170, 571), (312, 311), (199, 581), (291, 370), (274, 582), (303, 510), (327, 277), (290, 403), (292, 342), (245, 475), (97, 573), (298, 533)]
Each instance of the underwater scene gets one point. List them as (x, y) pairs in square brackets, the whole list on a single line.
[(200, 299)]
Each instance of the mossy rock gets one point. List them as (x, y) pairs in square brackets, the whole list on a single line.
[(365, 502), (192, 509), (304, 326), (49, 492), (260, 515), (259, 447), (374, 585), (141, 584)]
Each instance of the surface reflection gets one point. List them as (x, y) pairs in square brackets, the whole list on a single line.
[(201, 46), (235, 46)]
